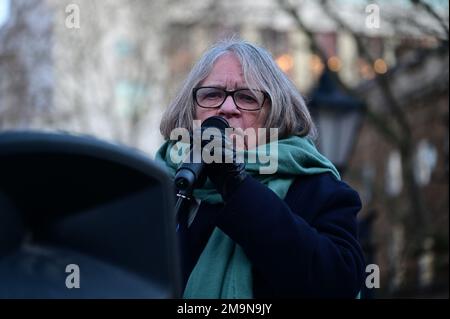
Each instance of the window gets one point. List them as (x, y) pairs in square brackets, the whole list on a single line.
[(425, 162), (394, 179)]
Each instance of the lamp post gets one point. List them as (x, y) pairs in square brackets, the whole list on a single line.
[(338, 117)]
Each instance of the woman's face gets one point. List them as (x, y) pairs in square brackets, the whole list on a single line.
[(227, 74)]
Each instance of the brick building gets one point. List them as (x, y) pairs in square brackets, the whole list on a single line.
[(375, 170)]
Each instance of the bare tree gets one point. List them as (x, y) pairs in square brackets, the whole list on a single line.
[(110, 69), (25, 64), (391, 122), (104, 78)]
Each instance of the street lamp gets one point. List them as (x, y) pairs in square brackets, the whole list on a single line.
[(338, 117)]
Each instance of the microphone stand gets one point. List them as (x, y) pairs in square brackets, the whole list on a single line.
[(187, 178), (185, 183), (183, 199), (181, 207)]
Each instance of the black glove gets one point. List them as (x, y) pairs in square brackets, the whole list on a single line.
[(226, 174)]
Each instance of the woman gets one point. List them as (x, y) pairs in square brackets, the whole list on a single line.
[(292, 233)]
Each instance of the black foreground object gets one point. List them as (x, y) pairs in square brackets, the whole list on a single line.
[(79, 212)]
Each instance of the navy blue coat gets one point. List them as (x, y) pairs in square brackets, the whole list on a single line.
[(303, 246)]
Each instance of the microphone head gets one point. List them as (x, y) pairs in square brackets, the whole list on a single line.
[(217, 122)]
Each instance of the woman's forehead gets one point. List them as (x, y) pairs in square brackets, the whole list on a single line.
[(226, 73)]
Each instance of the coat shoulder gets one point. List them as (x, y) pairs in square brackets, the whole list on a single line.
[(319, 190)]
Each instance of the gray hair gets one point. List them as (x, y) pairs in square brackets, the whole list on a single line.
[(288, 111)]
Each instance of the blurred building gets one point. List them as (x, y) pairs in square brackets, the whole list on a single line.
[(421, 84), (84, 67), (112, 72), (109, 68)]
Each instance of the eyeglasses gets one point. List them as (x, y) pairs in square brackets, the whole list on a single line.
[(244, 99)]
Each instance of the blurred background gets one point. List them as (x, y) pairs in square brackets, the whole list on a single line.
[(375, 75)]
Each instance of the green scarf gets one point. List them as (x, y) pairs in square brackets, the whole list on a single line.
[(223, 270)]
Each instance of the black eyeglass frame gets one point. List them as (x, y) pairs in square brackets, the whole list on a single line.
[(228, 93)]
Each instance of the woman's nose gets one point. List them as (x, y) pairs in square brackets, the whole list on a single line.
[(228, 106)]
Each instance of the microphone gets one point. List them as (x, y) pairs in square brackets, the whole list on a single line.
[(190, 175)]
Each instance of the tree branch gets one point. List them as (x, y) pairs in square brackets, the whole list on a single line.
[(381, 80), (429, 9)]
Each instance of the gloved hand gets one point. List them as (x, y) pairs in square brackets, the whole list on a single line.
[(227, 173)]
